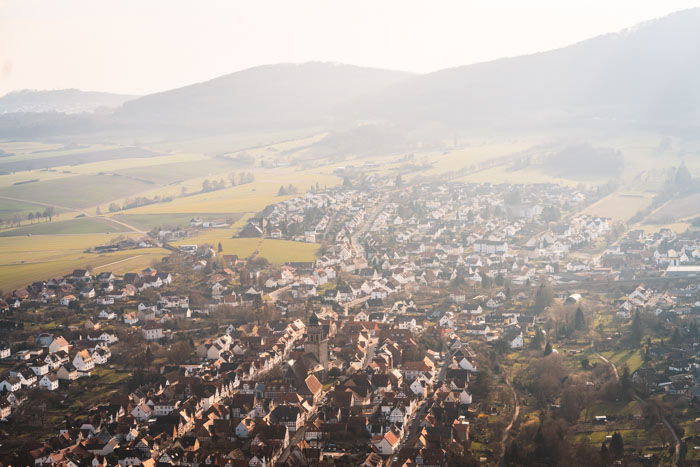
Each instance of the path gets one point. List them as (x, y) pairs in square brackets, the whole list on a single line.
[(69, 209), (123, 224), (677, 441), (117, 262), (516, 413)]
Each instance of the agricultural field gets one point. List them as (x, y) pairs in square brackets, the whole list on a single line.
[(250, 197), (84, 225), (147, 222), (677, 209), (275, 251), (9, 208), (620, 206), (25, 259)]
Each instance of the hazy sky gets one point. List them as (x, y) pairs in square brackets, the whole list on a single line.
[(144, 46)]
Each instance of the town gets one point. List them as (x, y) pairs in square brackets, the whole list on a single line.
[(442, 323)]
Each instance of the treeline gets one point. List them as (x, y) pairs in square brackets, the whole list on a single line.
[(130, 203), (234, 179), (16, 219), (207, 186)]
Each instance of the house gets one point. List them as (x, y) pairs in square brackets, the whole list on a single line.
[(142, 412), (49, 382), (67, 372), (39, 367), (67, 299), (130, 318), (251, 230), (5, 408), (10, 384), (84, 362), (58, 344), (152, 331), (386, 444), (101, 355)]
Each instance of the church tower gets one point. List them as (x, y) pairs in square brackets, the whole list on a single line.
[(317, 341)]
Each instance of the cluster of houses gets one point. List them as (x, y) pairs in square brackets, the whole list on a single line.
[(52, 361)]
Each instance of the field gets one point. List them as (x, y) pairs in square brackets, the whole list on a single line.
[(25, 259), (631, 358), (251, 197), (678, 209), (275, 251), (84, 225), (147, 222), (620, 206)]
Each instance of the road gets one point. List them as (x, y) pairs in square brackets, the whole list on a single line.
[(516, 413), (676, 440)]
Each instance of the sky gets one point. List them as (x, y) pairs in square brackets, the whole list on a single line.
[(140, 47)]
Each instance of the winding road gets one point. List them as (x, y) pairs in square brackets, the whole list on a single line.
[(516, 413)]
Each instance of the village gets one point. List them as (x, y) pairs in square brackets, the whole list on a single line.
[(412, 339)]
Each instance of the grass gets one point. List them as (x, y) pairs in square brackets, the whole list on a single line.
[(677, 209), (275, 251), (78, 192), (251, 197), (150, 221), (631, 358), (620, 206), (8, 208), (26, 259), (86, 225), (629, 436)]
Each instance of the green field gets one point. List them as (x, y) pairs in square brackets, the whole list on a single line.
[(165, 221), (631, 358), (26, 259), (9, 208), (83, 225), (275, 251)]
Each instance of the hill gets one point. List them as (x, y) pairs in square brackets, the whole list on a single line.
[(643, 76), (265, 97), (68, 101)]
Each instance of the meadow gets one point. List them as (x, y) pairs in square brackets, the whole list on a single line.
[(25, 259), (620, 206), (84, 225), (275, 251)]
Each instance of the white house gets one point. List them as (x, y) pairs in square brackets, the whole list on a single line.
[(386, 444), (83, 361), (152, 331), (142, 412), (49, 382)]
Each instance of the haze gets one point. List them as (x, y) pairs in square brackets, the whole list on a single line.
[(135, 48)]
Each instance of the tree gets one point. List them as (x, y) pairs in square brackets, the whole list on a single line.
[(617, 447), (538, 340), (206, 186), (579, 320), (50, 212), (232, 178), (30, 217), (625, 381), (98, 212), (543, 298), (220, 248), (282, 191), (547, 349), (148, 356), (635, 335)]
